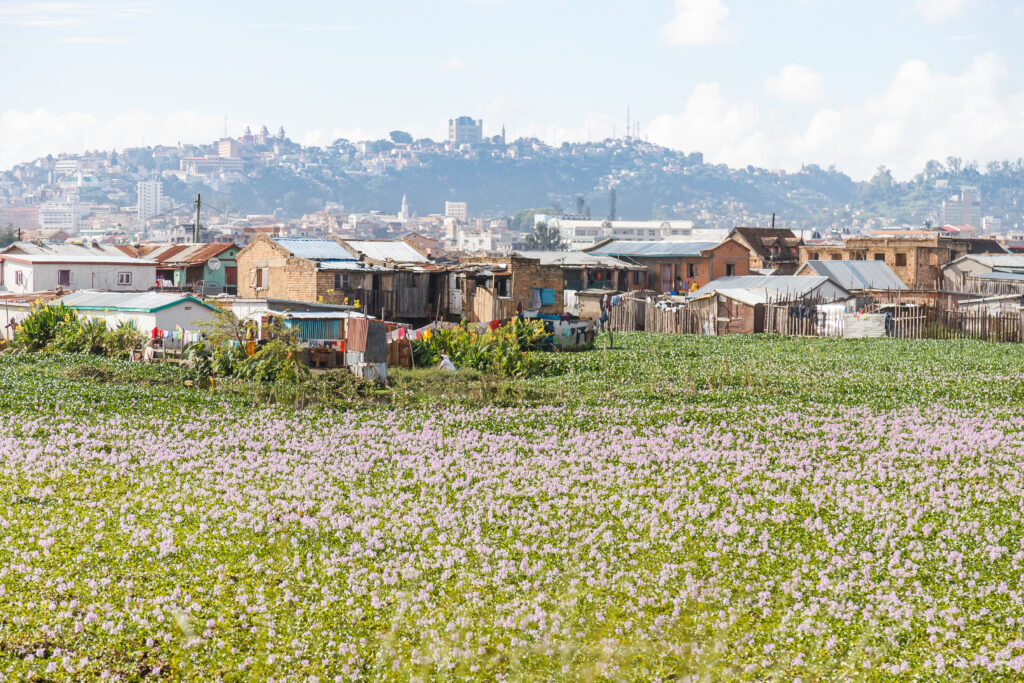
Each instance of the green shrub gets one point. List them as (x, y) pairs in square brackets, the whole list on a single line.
[(279, 360), (122, 339), (42, 325), (507, 350)]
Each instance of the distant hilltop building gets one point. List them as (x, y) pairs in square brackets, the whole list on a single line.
[(151, 197), (465, 131), (456, 210), (581, 233), (963, 209)]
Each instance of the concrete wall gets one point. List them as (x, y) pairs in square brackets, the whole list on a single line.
[(41, 277), (188, 315)]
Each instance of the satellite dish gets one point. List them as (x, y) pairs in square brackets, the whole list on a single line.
[(214, 263)]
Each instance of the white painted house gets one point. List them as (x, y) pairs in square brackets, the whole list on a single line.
[(26, 267), (145, 310)]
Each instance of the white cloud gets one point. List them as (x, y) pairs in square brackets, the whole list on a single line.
[(935, 11), (920, 115), (453, 63), (306, 28), (697, 22), (68, 13), (31, 134), (92, 40), (795, 83)]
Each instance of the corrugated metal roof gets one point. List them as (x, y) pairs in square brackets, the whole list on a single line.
[(997, 275), (793, 285), (190, 254), (317, 315), (352, 266), (998, 260), (661, 248), (127, 301), (574, 259), (858, 274), (316, 249), (397, 251), (82, 258)]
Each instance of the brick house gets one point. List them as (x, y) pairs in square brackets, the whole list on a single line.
[(775, 249), (916, 256), (678, 266), (332, 271)]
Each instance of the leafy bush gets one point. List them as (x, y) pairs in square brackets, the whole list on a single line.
[(80, 336), (38, 330), (507, 350), (279, 360), (122, 339)]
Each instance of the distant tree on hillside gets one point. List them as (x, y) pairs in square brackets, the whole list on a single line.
[(400, 137), (523, 220), (544, 238), (7, 236)]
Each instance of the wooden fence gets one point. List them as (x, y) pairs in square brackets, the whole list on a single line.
[(805, 318), (988, 287), (794, 317)]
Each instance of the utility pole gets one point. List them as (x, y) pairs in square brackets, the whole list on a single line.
[(195, 228)]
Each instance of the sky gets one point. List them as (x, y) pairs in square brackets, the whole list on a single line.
[(770, 83)]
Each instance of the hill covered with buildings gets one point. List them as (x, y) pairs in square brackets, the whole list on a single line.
[(269, 174)]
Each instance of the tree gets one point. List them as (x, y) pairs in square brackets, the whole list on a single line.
[(579, 204), (523, 220), (544, 238), (8, 236), (400, 137)]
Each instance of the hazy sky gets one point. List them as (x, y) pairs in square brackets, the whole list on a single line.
[(774, 83)]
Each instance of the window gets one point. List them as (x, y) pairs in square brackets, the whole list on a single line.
[(638, 277), (901, 259), (19, 277), (812, 256), (837, 257), (691, 270), (124, 279), (879, 257), (261, 278), (64, 278), (730, 269), (341, 281)]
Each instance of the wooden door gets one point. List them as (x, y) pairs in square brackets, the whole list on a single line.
[(666, 277)]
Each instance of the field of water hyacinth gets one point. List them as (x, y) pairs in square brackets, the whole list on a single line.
[(676, 508)]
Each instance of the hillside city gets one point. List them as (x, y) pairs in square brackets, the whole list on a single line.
[(473, 192)]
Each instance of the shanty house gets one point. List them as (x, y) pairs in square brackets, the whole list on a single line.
[(144, 310), (984, 273), (415, 289), (680, 266), (211, 267), (28, 267), (780, 287), (855, 276), (495, 287), (775, 249), (376, 277), (315, 324)]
